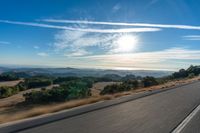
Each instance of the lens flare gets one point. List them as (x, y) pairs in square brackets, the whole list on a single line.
[(126, 43)]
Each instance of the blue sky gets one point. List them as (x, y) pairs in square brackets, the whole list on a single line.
[(107, 34)]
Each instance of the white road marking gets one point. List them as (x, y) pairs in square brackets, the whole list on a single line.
[(186, 120)]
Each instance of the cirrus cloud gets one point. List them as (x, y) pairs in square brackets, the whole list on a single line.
[(192, 37), (172, 26), (42, 54), (168, 59), (93, 30)]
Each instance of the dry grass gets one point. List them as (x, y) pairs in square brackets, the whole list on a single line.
[(10, 83), (18, 98), (6, 113), (98, 87), (35, 110)]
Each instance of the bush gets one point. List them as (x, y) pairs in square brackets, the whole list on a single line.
[(114, 88), (149, 81), (77, 89), (37, 82), (8, 91), (46, 96), (8, 77), (64, 79), (22, 86), (132, 83), (129, 77), (191, 75), (182, 73), (125, 86), (66, 91), (194, 69), (190, 72)]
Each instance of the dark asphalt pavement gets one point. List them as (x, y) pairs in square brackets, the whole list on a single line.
[(193, 126), (158, 113)]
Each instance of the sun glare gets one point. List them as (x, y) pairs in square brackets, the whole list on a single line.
[(126, 43)]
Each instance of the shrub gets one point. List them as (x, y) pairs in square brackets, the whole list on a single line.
[(8, 91), (114, 88), (22, 86), (182, 73), (46, 96), (132, 83), (194, 69), (149, 81), (66, 91), (37, 82), (191, 75), (64, 79), (8, 77)]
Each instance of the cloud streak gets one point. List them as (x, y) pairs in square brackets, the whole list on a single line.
[(188, 27), (154, 56), (4, 42), (36, 47), (172, 59), (192, 37), (122, 30), (42, 54), (116, 7)]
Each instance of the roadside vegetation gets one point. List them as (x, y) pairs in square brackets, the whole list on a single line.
[(34, 82), (135, 83), (32, 96), (80, 87), (66, 91)]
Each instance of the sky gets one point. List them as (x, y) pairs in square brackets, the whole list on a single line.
[(100, 34)]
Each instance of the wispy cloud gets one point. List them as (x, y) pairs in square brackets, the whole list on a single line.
[(189, 27), (36, 47), (77, 53), (4, 42), (192, 37), (82, 43), (116, 7), (172, 53), (43, 54), (77, 42), (165, 59), (94, 30), (89, 45), (153, 2)]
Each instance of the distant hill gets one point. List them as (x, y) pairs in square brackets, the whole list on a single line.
[(25, 72), (3, 69)]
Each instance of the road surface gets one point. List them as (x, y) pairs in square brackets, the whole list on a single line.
[(194, 125), (158, 113)]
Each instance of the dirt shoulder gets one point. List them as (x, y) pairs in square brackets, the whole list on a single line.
[(12, 113)]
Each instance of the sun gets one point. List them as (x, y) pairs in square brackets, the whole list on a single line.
[(126, 43)]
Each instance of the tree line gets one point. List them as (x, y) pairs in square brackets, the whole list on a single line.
[(8, 77)]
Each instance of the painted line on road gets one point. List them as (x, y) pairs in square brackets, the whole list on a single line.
[(184, 123)]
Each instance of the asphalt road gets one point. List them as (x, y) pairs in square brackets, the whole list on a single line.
[(158, 113), (193, 126)]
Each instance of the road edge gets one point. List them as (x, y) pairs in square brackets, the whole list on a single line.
[(179, 128)]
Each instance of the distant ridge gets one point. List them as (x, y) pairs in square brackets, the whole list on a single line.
[(68, 71)]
